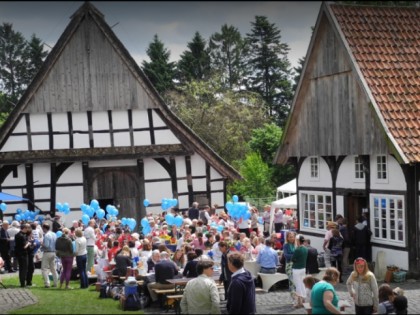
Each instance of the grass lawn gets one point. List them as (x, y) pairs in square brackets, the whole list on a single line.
[(56, 301)]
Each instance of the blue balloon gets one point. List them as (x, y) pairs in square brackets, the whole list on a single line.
[(109, 208), (169, 218), (235, 198), (85, 219), (178, 221), (115, 212), (144, 222), (3, 206), (146, 202), (174, 202), (58, 233), (229, 206), (74, 246), (59, 206), (100, 214), (94, 204), (19, 210), (40, 218), (146, 230), (18, 217), (220, 228)]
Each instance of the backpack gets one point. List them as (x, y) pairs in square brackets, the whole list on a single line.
[(132, 302), (104, 292)]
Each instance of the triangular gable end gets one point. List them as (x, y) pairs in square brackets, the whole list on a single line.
[(84, 45), (331, 112)]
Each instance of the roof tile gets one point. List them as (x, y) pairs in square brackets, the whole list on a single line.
[(385, 42)]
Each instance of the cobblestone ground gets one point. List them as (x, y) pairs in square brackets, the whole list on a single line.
[(11, 299)]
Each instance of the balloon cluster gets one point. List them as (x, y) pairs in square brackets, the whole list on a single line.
[(27, 215), (3, 206), (171, 220), (90, 210), (168, 203), (146, 226), (219, 228), (65, 207), (129, 222), (236, 210)]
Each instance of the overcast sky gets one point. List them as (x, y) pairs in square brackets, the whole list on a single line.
[(175, 22)]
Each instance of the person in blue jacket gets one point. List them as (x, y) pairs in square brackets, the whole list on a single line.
[(241, 292)]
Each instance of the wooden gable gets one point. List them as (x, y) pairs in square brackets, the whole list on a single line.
[(331, 114), (89, 70)]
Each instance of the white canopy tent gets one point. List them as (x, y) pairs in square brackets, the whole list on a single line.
[(285, 203), (288, 188)]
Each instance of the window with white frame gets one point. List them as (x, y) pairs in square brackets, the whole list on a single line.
[(314, 167), (381, 167), (388, 219), (316, 210), (358, 168)]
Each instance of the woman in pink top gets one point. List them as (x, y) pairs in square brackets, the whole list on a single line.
[(198, 242)]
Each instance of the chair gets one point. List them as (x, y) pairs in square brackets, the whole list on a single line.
[(269, 279), (253, 267)]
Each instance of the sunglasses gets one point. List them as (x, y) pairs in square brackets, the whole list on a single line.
[(359, 260)]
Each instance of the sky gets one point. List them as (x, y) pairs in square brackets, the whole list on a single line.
[(136, 22)]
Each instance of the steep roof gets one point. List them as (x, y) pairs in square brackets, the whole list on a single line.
[(383, 47), (385, 44), (190, 141)]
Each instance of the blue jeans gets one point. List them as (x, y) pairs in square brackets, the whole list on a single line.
[(81, 266), (268, 270)]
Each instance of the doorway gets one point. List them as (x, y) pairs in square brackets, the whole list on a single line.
[(355, 205)]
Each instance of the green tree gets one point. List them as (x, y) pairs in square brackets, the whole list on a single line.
[(269, 68), (224, 119), (265, 141), (34, 56), (227, 55), (298, 72), (13, 65), (159, 70), (194, 63), (256, 181)]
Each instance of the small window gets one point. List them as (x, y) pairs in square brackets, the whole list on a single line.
[(381, 167), (358, 168), (314, 167)]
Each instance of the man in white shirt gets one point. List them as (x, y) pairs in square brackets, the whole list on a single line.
[(243, 226), (90, 236)]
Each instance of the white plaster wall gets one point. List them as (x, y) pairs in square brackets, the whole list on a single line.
[(39, 122), (153, 170), (214, 174), (119, 119), (100, 120), (157, 122), (392, 257), (80, 121), (60, 122), (216, 185), (102, 140), (217, 198), (183, 202), (40, 142), (156, 191), (140, 118), (15, 143), (74, 215), (340, 205), (198, 165), (80, 141), (181, 170), (20, 180), (73, 195), (61, 141), (73, 174), (395, 180), (346, 175), (182, 186), (324, 180), (42, 193), (122, 139), (165, 137), (42, 174), (199, 184), (141, 138)]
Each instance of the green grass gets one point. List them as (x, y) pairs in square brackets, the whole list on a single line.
[(56, 301)]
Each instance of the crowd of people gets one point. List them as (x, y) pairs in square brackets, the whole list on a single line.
[(199, 245)]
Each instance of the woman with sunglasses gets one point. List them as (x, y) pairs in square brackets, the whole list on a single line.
[(363, 288)]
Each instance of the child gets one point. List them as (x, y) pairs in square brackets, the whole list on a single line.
[(309, 281), (400, 304)]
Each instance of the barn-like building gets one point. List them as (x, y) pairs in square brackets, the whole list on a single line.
[(92, 126), (354, 128)]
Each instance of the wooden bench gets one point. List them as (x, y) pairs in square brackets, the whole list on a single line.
[(176, 300), (162, 296), (342, 304), (269, 279)]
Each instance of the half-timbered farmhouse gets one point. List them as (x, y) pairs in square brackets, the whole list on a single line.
[(91, 126), (354, 128)]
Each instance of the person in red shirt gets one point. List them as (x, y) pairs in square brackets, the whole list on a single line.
[(113, 251)]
